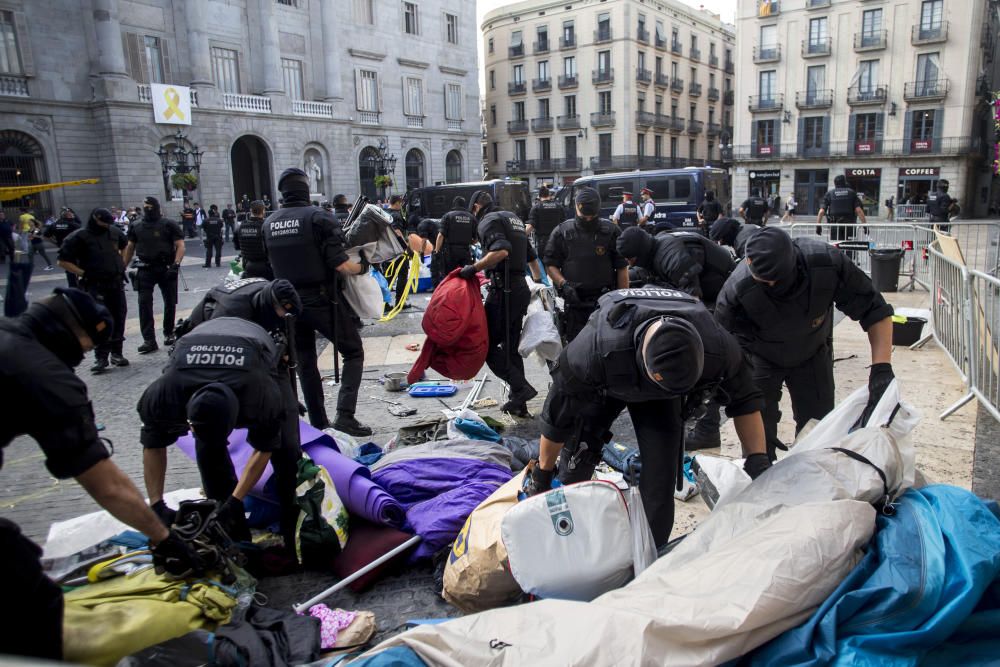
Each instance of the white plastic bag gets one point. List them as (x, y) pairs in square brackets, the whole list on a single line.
[(539, 334), (643, 546), (362, 292), (455, 433), (347, 445), (720, 479)]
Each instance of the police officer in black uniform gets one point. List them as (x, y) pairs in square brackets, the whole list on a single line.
[(44, 399), (627, 213), (842, 207), (94, 256), (212, 229), (263, 302), (709, 211), (64, 225), (940, 205), (583, 261), (508, 255), (659, 353), (229, 218), (456, 233), (158, 243), (223, 375), (249, 240), (778, 303), (689, 262), (544, 217), (305, 246), (732, 233), (754, 210), (341, 209)]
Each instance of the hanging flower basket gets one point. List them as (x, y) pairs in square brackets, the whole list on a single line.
[(186, 182), (383, 181)]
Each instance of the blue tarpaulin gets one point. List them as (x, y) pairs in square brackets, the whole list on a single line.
[(927, 592)]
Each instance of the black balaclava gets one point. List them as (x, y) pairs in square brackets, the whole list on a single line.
[(151, 209), (588, 200), (724, 231), (772, 256), (277, 291), (458, 204), (485, 201), (57, 318), (636, 243), (102, 214), (294, 188), (674, 356), (709, 195), (213, 411)]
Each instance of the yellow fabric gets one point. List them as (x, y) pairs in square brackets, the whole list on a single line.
[(18, 191), (26, 222), (392, 274), (106, 621)]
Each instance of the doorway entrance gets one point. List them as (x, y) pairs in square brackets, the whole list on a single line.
[(251, 164), (810, 188), (367, 172), (23, 163)]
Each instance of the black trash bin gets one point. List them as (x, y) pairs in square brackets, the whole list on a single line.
[(885, 268)]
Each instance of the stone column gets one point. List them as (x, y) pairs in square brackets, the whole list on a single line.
[(198, 52), (273, 83), (110, 55), (331, 56)]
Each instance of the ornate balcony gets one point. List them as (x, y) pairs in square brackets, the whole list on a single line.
[(602, 119), (814, 99)]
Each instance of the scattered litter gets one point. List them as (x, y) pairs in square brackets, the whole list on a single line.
[(413, 347), (485, 403), (396, 409)]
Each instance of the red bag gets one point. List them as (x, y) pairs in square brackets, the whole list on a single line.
[(457, 337)]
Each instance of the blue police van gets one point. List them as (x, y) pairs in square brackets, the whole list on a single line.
[(435, 200), (677, 193)]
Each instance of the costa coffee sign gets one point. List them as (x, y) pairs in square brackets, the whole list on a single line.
[(920, 171), (867, 172)]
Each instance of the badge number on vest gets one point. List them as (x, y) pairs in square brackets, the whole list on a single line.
[(215, 356), (562, 518), (285, 227)]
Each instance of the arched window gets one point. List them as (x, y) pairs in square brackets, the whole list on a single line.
[(22, 162), (414, 169), (367, 171), (453, 167)]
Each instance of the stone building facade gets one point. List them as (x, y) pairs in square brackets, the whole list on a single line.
[(893, 95), (318, 84), (594, 86)]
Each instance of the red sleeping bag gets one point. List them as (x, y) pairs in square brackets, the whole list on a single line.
[(457, 337)]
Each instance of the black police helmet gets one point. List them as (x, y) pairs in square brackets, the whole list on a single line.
[(673, 354), (80, 313), (589, 201), (289, 176)]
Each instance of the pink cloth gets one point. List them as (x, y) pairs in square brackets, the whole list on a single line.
[(332, 621)]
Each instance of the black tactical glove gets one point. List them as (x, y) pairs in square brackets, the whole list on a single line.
[(468, 272), (177, 558), (233, 519), (879, 378), (365, 264), (164, 513), (756, 464), (539, 481), (569, 293), (173, 269)]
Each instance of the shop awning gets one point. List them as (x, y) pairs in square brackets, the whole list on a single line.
[(16, 192)]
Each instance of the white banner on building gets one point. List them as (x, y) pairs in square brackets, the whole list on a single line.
[(171, 104)]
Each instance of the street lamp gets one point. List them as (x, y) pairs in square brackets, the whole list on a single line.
[(178, 160), (382, 163)]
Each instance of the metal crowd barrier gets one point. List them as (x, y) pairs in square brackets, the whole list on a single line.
[(965, 322), (911, 213)]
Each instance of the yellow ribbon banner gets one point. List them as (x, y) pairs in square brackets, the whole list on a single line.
[(173, 99), (16, 192)]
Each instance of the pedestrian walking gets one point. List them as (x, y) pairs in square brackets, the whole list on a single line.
[(790, 206), (890, 206)]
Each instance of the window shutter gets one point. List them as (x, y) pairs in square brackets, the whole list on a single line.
[(753, 138), (168, 70), (802, 134), (461, 103), (133, 62), (24, 42), (407, 106), (852, 132), (938, 126), (128, 60), (908, 132), (879, 130), (358, 90), (777, 134), (140, 42), (826, 134), (378, 92)]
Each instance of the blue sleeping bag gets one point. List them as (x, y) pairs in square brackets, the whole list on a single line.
[(927, 592)]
